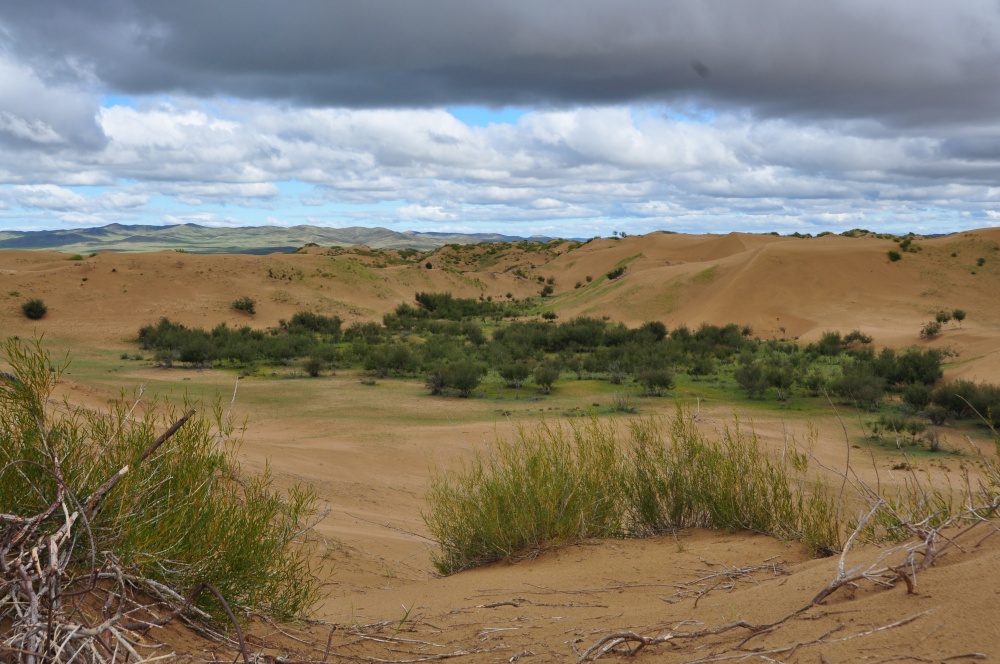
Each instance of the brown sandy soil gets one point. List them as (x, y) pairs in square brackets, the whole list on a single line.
[(369, 451)]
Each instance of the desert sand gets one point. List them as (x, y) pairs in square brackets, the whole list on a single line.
[(369, 451)]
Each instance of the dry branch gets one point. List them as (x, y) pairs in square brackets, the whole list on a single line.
[(39, 571)]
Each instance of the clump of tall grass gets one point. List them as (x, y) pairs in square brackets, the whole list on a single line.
[(678, 477), (565, 482), (550, 484), (188, 514)]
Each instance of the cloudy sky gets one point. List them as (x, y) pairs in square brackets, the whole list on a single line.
[(559, 117)]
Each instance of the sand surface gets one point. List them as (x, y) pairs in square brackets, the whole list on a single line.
[(369, 450)]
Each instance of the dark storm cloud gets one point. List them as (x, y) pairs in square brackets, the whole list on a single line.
[(910, 61)]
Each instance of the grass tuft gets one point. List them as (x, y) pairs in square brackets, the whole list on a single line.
[(187, 514), (559, 483)]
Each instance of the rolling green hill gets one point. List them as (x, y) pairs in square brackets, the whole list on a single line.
[(244, 240)]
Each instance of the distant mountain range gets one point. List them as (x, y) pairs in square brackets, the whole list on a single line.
[(244, 240)]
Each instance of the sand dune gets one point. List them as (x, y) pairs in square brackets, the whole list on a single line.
[(369, 453)]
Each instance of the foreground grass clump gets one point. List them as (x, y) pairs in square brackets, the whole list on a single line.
[(182, 514), (559, 483)]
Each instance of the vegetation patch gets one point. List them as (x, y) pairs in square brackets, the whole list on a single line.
[(130, 497), (554, 484), (34, 309)]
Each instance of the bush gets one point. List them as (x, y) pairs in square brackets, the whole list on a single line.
[(830, 343), (463, 375), (917, 395), (894, 255), (930, 330), (859, 336), (514, 373), (247, 305), (185, 515), (751, 377), (546, 375), (617, 272), (967, 399), (860, 383), (34, 309), (656, 380), (312, 366)]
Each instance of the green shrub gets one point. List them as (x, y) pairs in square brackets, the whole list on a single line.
[(463, 375), (830, 343), (247, 305), (859, 336), (555, 484), (752, 378), (546, 374), (34, 309), (617, 272), (514, 373), (656, 380), (930, 330), (312, 366), (187, 514), (917, 395), (860, 383), (894, 255)]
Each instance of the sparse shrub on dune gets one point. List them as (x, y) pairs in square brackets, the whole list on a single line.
[(930, 330), (34, 309), (247, 305), (615, 273)]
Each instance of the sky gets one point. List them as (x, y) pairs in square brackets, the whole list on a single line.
[(572, 118)]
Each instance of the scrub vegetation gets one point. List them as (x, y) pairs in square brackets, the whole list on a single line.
[(554, 484), (454, 344), (123, 507)]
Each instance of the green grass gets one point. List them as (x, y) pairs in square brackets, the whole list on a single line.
[(186, 515), (557, 483), (706, 276)]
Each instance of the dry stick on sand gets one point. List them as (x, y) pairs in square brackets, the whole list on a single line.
[(918, 554)]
